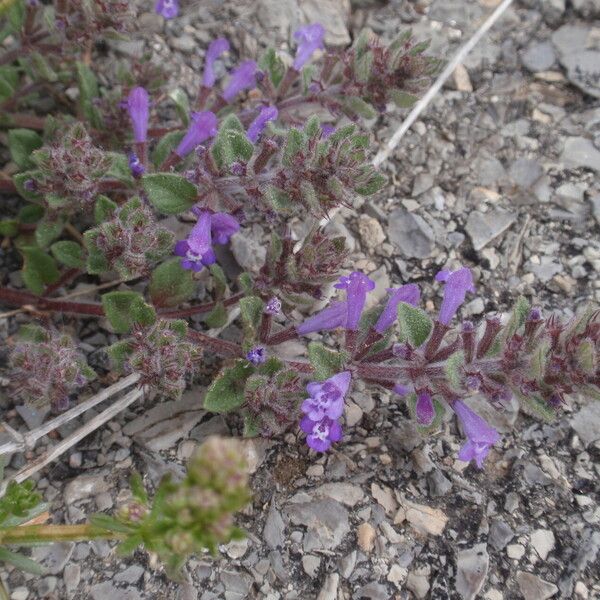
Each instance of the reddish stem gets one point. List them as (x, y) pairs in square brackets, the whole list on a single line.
[(6, 185), (181, 313), (67, 276), (217, 345)]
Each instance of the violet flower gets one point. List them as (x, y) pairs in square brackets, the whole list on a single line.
[(167, 8), (309, 38), (257, 356), (458, 283), (273, 306), (216, 48), (202, 127), (424, 408), (320, 434), (327, 130), (242, 78), (401, 389), (327, 397), (356, 285), (135, 166), (267, 113), (197, 250), (407, 293), (138, 107), (332, 317), (481, 436)]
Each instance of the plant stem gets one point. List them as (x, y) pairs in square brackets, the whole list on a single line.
[(222, 347), (180, 313), (6, 185), (28, 534)]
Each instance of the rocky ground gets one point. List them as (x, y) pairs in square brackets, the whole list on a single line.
[(500, 173)]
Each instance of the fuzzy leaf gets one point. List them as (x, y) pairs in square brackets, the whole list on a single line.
[(9, 227), (217, 317), (453, 369), (251, 425), (182, 105), (165, 146), (278, 199), (171, 284), (169, 193), (538, 361), (226, 393), (48, 231), (358, 106), (219, 280), (231, 146), (21, 143), (69, 254), (517, 318), (33, 333), (325, 362), (42, 67), (124, 309), (119, 352), (363, 66), (19, 180), (88, 92), (273, 65), (22, 563), (375, 182), (246, 283), (586, 357), (39, 269), (30, 214), (104, 209), (534, 406), (251, 309), (119, 168), (402, 99), (415, 324), (294, 145)]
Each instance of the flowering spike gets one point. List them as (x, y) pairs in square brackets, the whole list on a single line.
[(332, 317), (202, 127), (458, 283), (242, 78), (327, 397), (267, 113), (424, 408), (216, 48), (356, 285), (197, 249), (407, 293), (167, 8), (138, 106), (321, 433), (309, 38), (480, 436)]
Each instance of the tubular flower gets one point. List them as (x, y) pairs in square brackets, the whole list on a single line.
[(242, 78), (424, 408), (202, 127), (321, 434), (480, 436), (267, 113), (458, 283), (257, 356), (332, 317), (216, 48), (135, 166), (167, 8), (309, 38), (138, 106), (356, 285), (327, 397), (407, 293)]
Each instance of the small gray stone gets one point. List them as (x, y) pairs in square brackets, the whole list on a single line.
[(588, 9), (85, 486), (411, 234), (500, 534), (485, 227), (525, 172), (130, 575), (54, 557), (184, 43), (543, 542), (33, 417), (418, 584), (538, 56), (274, 529), (438, 483), (236, 585), (330, 587), (373, 591), (105, 590), (582, 71), (311, 564), (249, 253), (587, 423), (72, 576), (533, 587), (472, 567), (580, 152)]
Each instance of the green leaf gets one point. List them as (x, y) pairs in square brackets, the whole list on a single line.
[(88, 92), (435, 424), (39, 269), (278, 199), (358, 106), (226, 393), (47, 231), (231, 144), (246, 283), (109, 523), (375, 182), (16, 14), (21, 143), (415, 325), (363, 66), (138, 491), (539, 357), (119, 352), (171, 284), (104, 209), (165, 146), (535, 406), (182, 105), (9, 227), (42, 67), (124, 309), (69, 254), (30, 214), (294, 144), (324, 361), (453, 369), (219, 280), (21, 562), (517, 318), (251, 310), (585, 357), (251, 425), (19, 180), (119, 168), (273, 65), (33, 333), (402, 99), (169, 193), (217, 317)]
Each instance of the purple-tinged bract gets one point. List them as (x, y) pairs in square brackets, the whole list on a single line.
[(202, 127), (168, 9), (266, 114), (356, 285), (216, 48), (407, 293), (309, 38), (321, 434), (273, 306), (327, 397), (480, 435), (242, 78), (458, 283), (257, 356), (424, 408), (138, 106), (135, 166)]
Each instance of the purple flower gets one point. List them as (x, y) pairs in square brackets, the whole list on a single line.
[(202, 127), (267, 113), (273, 306), (135, 166), (216, 48), (242, 78), (257, 356), (401, 389), (327, 130), (309, 38), (424, 408), (197, 249), (356, 285), (167, 8), (332, 317), (480, 435), (320, 434), (458, 283), (407, 293), (326, 397), (138, 106)]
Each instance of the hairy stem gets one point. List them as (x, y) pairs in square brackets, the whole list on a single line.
[(29, 534)]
